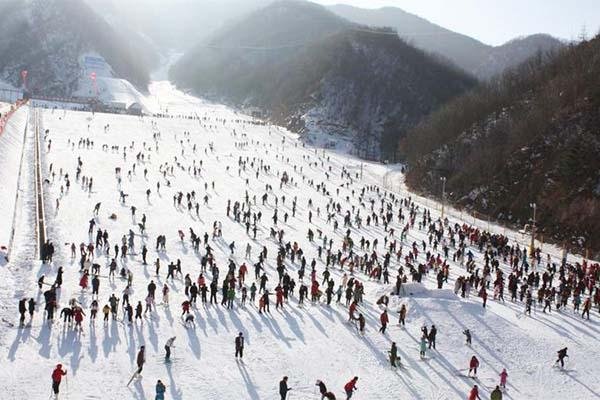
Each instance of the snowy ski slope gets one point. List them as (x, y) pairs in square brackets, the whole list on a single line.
[(11, 146), (306, 343)]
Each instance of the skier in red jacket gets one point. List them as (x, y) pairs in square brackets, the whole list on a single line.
[(83, 282), (351, 311), (78, 317), (473, 365), (185, 306), (384, 321), (474, 394), (278, 297), (350, 387), (57, 375)]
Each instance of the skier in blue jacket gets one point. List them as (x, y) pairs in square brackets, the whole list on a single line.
[(160, 390)]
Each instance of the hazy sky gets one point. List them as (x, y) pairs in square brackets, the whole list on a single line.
[(497, 21)]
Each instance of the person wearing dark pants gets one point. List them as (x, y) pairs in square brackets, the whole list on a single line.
[(384, 319), (283, 388), (432, 335), (57, 375), (561, 357), (168, 346), (239, 346), (141, 359)]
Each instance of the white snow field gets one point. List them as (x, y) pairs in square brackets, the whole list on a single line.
[(305, 343), (11, 148)]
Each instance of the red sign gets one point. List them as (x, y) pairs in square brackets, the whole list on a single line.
[(93, 76)]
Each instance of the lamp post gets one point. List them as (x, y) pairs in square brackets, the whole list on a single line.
[(532, 245), (443, 179)]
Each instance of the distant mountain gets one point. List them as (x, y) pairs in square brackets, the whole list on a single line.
[(531, 136), (174, 24), (501, 58), (314, 70), (480, 60), (51, 39)]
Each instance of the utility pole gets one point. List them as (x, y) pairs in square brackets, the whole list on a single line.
[(443, 179)]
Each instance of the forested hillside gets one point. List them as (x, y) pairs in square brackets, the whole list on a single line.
[(532, 136), (48, 37)]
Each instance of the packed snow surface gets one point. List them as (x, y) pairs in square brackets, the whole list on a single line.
[(11, 146), (306, 343)]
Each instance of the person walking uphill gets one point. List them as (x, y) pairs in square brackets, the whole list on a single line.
[(57, 375), (283, 388), (350, 387)]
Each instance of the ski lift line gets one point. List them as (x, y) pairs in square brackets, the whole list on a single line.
[(291, 46), (402, 35)]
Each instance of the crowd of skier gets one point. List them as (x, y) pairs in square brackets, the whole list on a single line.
[(469, 260)]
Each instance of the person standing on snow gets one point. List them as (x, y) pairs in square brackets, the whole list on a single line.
[(351, 311), (31, 308), (503, 377), (393, 354), (467, 334), (57, 375), (384, 319), (106, 311), (561, 357), (78, 316), (473, 365), (22, 311), (160, 390), (496, 394), (402, 315), (484, 296), (432, 335), (350, 387), (165, 292), (168, 346), (283, 388), (423, 347), (361, 324), (322, 388), (474, 393), (141, 359), (587, 305), (239, 346)]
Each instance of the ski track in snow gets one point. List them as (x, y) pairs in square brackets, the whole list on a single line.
[(306, 343)]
